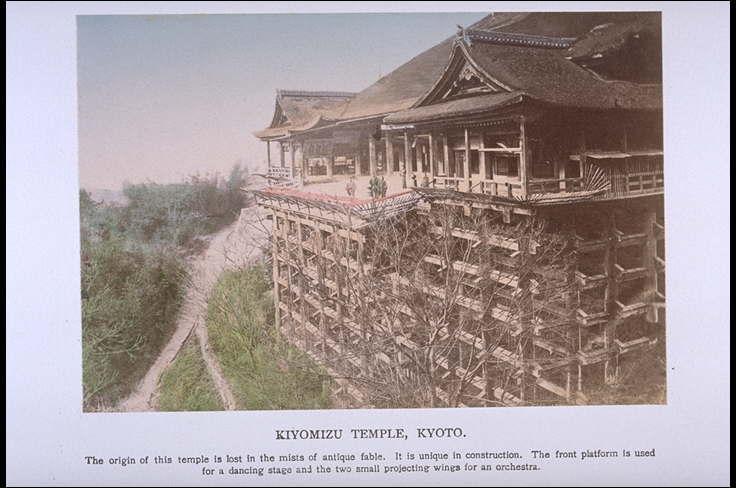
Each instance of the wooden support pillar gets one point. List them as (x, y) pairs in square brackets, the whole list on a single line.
[(649, 262), (360, 258), (282, 159), (582, 145), (292, 157), (389, 155), (611, 295), (609, 369), (466, 166), (487, 368), (525, 305), (520, 384), (330, 165), (611, 291), (299, 153), (318, 243), (431, 158), (289, 281), (308, 339), (407, 155), (524, 158), (446, 151), (358, 168), (432, 380), (268, 153), (300, 238), (580, 377), (275, 270), (372, 155), (302, 163), (482, 162)]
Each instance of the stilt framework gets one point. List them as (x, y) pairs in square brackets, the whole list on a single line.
[(454, 301)]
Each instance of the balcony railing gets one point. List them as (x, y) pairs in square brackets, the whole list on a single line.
[(554, 185), (279, 172), (603, 176), (477, 184)]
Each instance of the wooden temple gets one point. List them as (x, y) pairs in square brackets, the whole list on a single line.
[(531, 149), (298, 111)]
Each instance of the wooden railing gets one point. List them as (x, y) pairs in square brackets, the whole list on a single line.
[(554, 185), (625, 177), (279, 172), (636, 179), (507, 189), (479, 185), (453, 182)]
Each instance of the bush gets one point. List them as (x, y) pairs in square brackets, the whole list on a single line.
[(130, 298), (377, 187), (265, 373), (178, 213)]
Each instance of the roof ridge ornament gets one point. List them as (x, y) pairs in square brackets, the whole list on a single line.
[(280, 92), (518, 39)]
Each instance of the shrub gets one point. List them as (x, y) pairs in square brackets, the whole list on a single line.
[(178, 213), (130, 298), (377, 187)]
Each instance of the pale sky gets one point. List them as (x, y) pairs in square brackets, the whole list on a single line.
[(163, 97)]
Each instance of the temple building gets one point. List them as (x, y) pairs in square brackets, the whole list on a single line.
[(529, 221), (297, 111)]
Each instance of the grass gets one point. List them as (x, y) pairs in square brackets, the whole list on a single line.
[(264, 372), (186, 385)]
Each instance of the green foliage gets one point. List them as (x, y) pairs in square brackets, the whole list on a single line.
[(186, 385), (133, 273), (130, 297), (265, 373), (377, 187), (178, 213)]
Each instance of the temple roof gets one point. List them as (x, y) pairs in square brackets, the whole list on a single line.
[(546, 75), (534, 54), (401, 88), (512, 66), (454, 108), (559, 24), (299, 110)]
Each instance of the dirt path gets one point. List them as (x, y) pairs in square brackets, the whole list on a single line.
[(234, 246)]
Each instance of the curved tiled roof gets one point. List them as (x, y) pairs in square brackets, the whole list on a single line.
[(612, 36), (299, 110), (546, 75), (537, 73), (404, 86), (454, 108), (563, 24), (400, 88), (526, 50)]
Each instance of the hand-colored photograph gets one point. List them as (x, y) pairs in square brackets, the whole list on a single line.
[(398, 210)]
